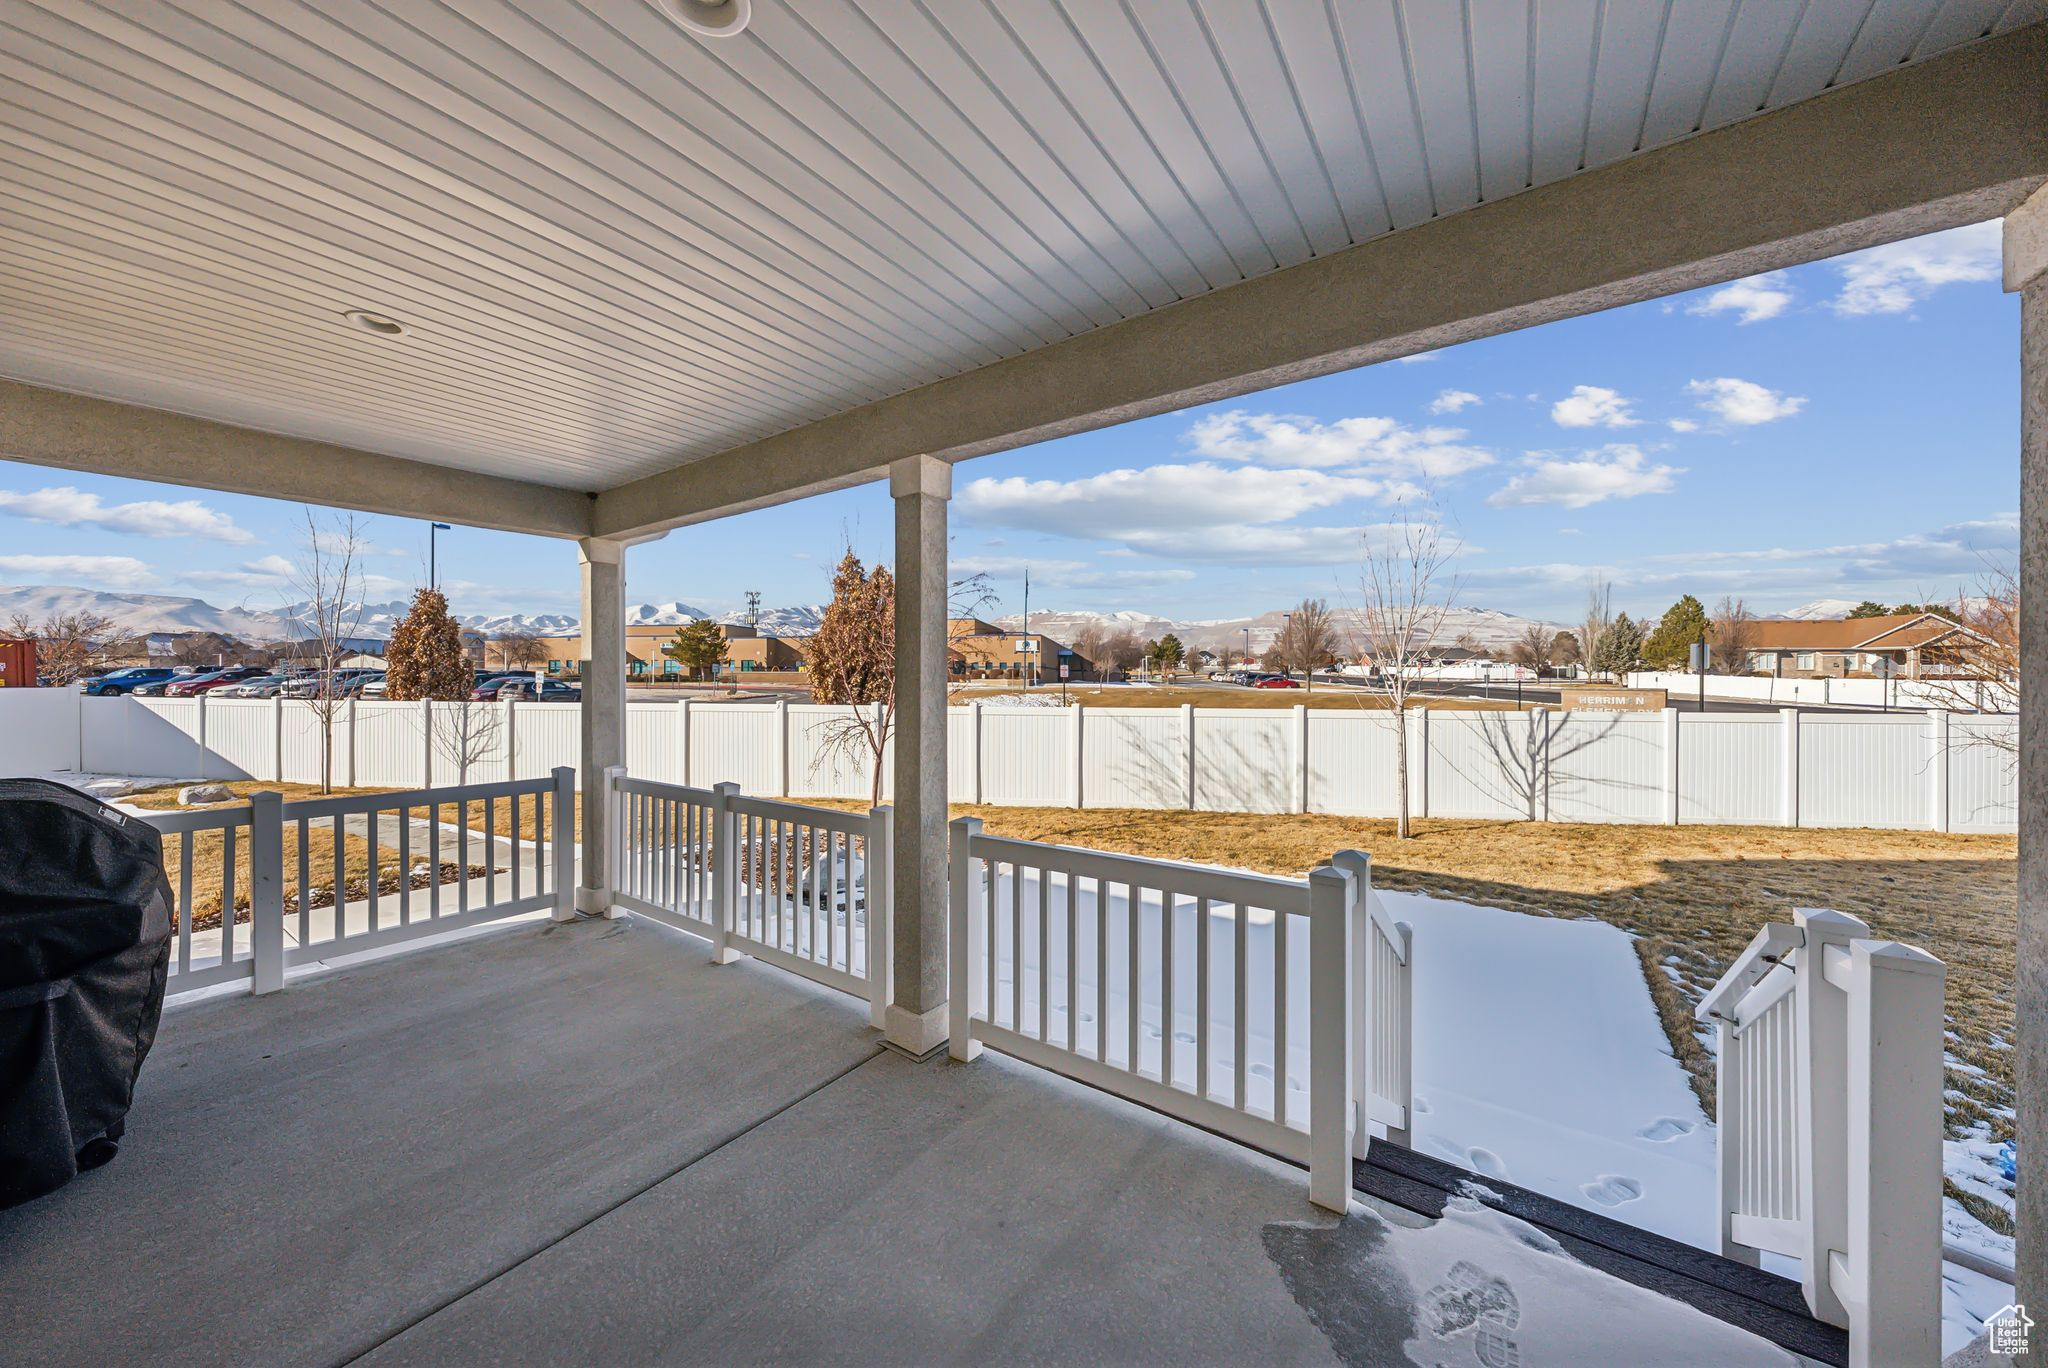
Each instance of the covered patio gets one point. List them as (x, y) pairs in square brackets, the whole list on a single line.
[(584, 1143), (600, 276)]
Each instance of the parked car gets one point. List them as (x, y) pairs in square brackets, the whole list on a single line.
[(1275, 682), (543, 691), (198, 684), (120, 682), (262, 686), (374, 687), (488, 690)]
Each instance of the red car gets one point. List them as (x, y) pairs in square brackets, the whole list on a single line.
[(216, 679), (1275, 682)]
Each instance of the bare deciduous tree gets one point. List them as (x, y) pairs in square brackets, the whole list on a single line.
[(1125, 651), (1089, 646), (1309, 640), (466, 732), (1406, 597), (1599, 617), (64, 644), (1732, 635), (519, 650), (1532, 648), (327, 579)]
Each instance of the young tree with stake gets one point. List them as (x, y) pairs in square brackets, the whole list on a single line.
[(1406, 596)]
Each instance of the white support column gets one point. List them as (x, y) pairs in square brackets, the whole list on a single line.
[(1671, 803), (2026, 271), (602, 714), (921, 487), (1788, 767)]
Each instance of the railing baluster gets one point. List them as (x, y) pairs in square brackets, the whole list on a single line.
[(1280, 1017), (1017, 948), (1101, 972), (227, 894), (1237, 1012), (338, 849), (1073, 961), (370, 825), (434, 861), (462, 856), (1044, 953), (305, 887), (1167, 904), (1134, 898), (513, 819), (404, 865), (185, 902), (1202, 968), (992, 939)]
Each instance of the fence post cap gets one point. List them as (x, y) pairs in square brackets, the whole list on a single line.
[(1898, 957), (1352, 859), (966, 824), (727, 788), (1824, 923)]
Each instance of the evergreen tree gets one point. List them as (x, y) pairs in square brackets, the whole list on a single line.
[(1168, 653), (699, 647), (1869, 608), (1564, 649), (425, 654), (1620, 648), (1683, 625)]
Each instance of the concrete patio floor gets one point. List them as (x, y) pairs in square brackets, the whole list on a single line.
[(584, 1144)]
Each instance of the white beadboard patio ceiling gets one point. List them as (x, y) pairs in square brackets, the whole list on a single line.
[(617, 246)]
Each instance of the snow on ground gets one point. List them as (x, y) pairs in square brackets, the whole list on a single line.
[(1539, 1059), (107, 787)]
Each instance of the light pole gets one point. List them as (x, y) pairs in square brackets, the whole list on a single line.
[(433, 563)]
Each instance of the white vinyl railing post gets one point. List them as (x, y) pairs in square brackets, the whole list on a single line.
[(1330, 998), (879, 894), (1731, 1125), (1299, 798), (1821, 1029), (1937, 769), (615, 837), (1358, 865), (1888, 1270), (1788, 797), (725, 871), (1671, 726), (266, 890), (1076, 757), (564, 837), (964, 949)]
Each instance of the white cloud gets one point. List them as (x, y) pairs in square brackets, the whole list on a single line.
[(1893, 278), (1618, 471), (1383, 446), (1451, 400), (1592, 406), (1752, 300), (69, 507), (1683, 425), (89, 572), (1743, 403), (267, 572), (1417, 359), (1118, 502)]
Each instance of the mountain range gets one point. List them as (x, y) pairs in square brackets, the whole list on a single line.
[(142, 613)]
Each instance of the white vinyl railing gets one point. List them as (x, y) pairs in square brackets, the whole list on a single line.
[(1229, 1000), (803, 888), (1829, 1102), (311, 876)]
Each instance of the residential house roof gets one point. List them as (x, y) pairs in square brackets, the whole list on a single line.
[(1891, 632)]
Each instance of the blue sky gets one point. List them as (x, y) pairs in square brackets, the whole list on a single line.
[(1847, 429)]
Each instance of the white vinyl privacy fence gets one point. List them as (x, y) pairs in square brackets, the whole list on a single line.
[(1922, 770)]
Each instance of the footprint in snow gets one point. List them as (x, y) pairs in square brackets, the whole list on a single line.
[(1611, 1189), (1485, 1161), (1665, 1129), (1421, 1103)]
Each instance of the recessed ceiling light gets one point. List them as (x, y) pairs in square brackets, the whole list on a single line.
[(381, 324), (710, 18)]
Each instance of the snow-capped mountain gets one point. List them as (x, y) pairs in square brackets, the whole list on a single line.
[(136, 614), (1817, 611), (672, 613), (1486, 627)]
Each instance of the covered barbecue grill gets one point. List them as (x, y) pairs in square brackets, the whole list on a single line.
[(85, 933)]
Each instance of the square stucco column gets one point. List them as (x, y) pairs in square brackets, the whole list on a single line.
[(602, 665), (916, 1017), (2026, 271)]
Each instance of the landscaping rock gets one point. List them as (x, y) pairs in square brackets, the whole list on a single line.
[(193, 795)]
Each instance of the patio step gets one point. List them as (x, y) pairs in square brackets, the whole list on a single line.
[(1762, 1303)]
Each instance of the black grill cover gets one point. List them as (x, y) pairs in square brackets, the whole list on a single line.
[(85, 942)]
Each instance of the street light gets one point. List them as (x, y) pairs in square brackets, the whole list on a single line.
[(433, 566)]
